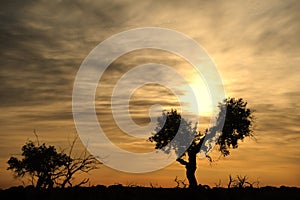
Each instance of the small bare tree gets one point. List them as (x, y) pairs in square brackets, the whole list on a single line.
[(230, 181), (240, 182), (180, 182)]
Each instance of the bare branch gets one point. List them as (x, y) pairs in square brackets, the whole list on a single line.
[(36, 136), (177, 182), (84, 181), (72, 145), (181, 161)]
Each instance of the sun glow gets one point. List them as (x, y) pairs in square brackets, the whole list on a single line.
[(199, 90)]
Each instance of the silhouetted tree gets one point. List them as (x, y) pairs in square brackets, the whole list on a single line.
[(237, 125), (48, 167), (41, 162)]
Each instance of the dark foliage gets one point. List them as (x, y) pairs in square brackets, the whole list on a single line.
[(238, 123), (39, 162), (170, 124)]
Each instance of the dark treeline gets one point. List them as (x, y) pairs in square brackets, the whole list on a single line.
[(122, 192)]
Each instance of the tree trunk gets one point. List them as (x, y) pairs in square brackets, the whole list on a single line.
[(191, 167), (39, 183), (67, 180)]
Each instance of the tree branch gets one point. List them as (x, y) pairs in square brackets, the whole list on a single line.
[(181, 161)]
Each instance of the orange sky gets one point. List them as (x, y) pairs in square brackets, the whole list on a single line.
[(254, 44)]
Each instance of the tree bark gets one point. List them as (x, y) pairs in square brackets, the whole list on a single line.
[(191, 169), (191, 164)]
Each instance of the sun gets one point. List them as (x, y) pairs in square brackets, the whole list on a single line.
[(198, 90)]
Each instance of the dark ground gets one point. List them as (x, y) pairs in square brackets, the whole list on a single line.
[(144, 193)]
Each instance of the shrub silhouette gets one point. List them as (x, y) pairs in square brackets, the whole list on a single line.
[(237, 125), (47, 167), (41, 162)]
